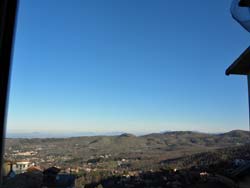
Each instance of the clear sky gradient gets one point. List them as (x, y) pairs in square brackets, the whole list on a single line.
[(127, 65)]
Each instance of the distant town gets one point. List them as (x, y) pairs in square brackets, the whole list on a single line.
[(127, 160)]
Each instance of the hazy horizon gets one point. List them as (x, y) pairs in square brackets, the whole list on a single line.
[(44, 134)]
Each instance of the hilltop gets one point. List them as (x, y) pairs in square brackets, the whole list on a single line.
[(141, 151)]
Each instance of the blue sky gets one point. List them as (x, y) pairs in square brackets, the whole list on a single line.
[(126, 65)]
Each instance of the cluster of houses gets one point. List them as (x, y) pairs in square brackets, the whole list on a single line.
[(53, 177)]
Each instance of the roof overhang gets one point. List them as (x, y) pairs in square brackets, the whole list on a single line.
[(244, 3), (240, 66)]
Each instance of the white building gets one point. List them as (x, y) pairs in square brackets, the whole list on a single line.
[(21, 166)]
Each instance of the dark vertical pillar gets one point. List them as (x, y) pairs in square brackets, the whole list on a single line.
[(7, 25)]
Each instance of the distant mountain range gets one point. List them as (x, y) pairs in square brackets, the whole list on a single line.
[(59, 135), (155, 146), (80, 134)]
